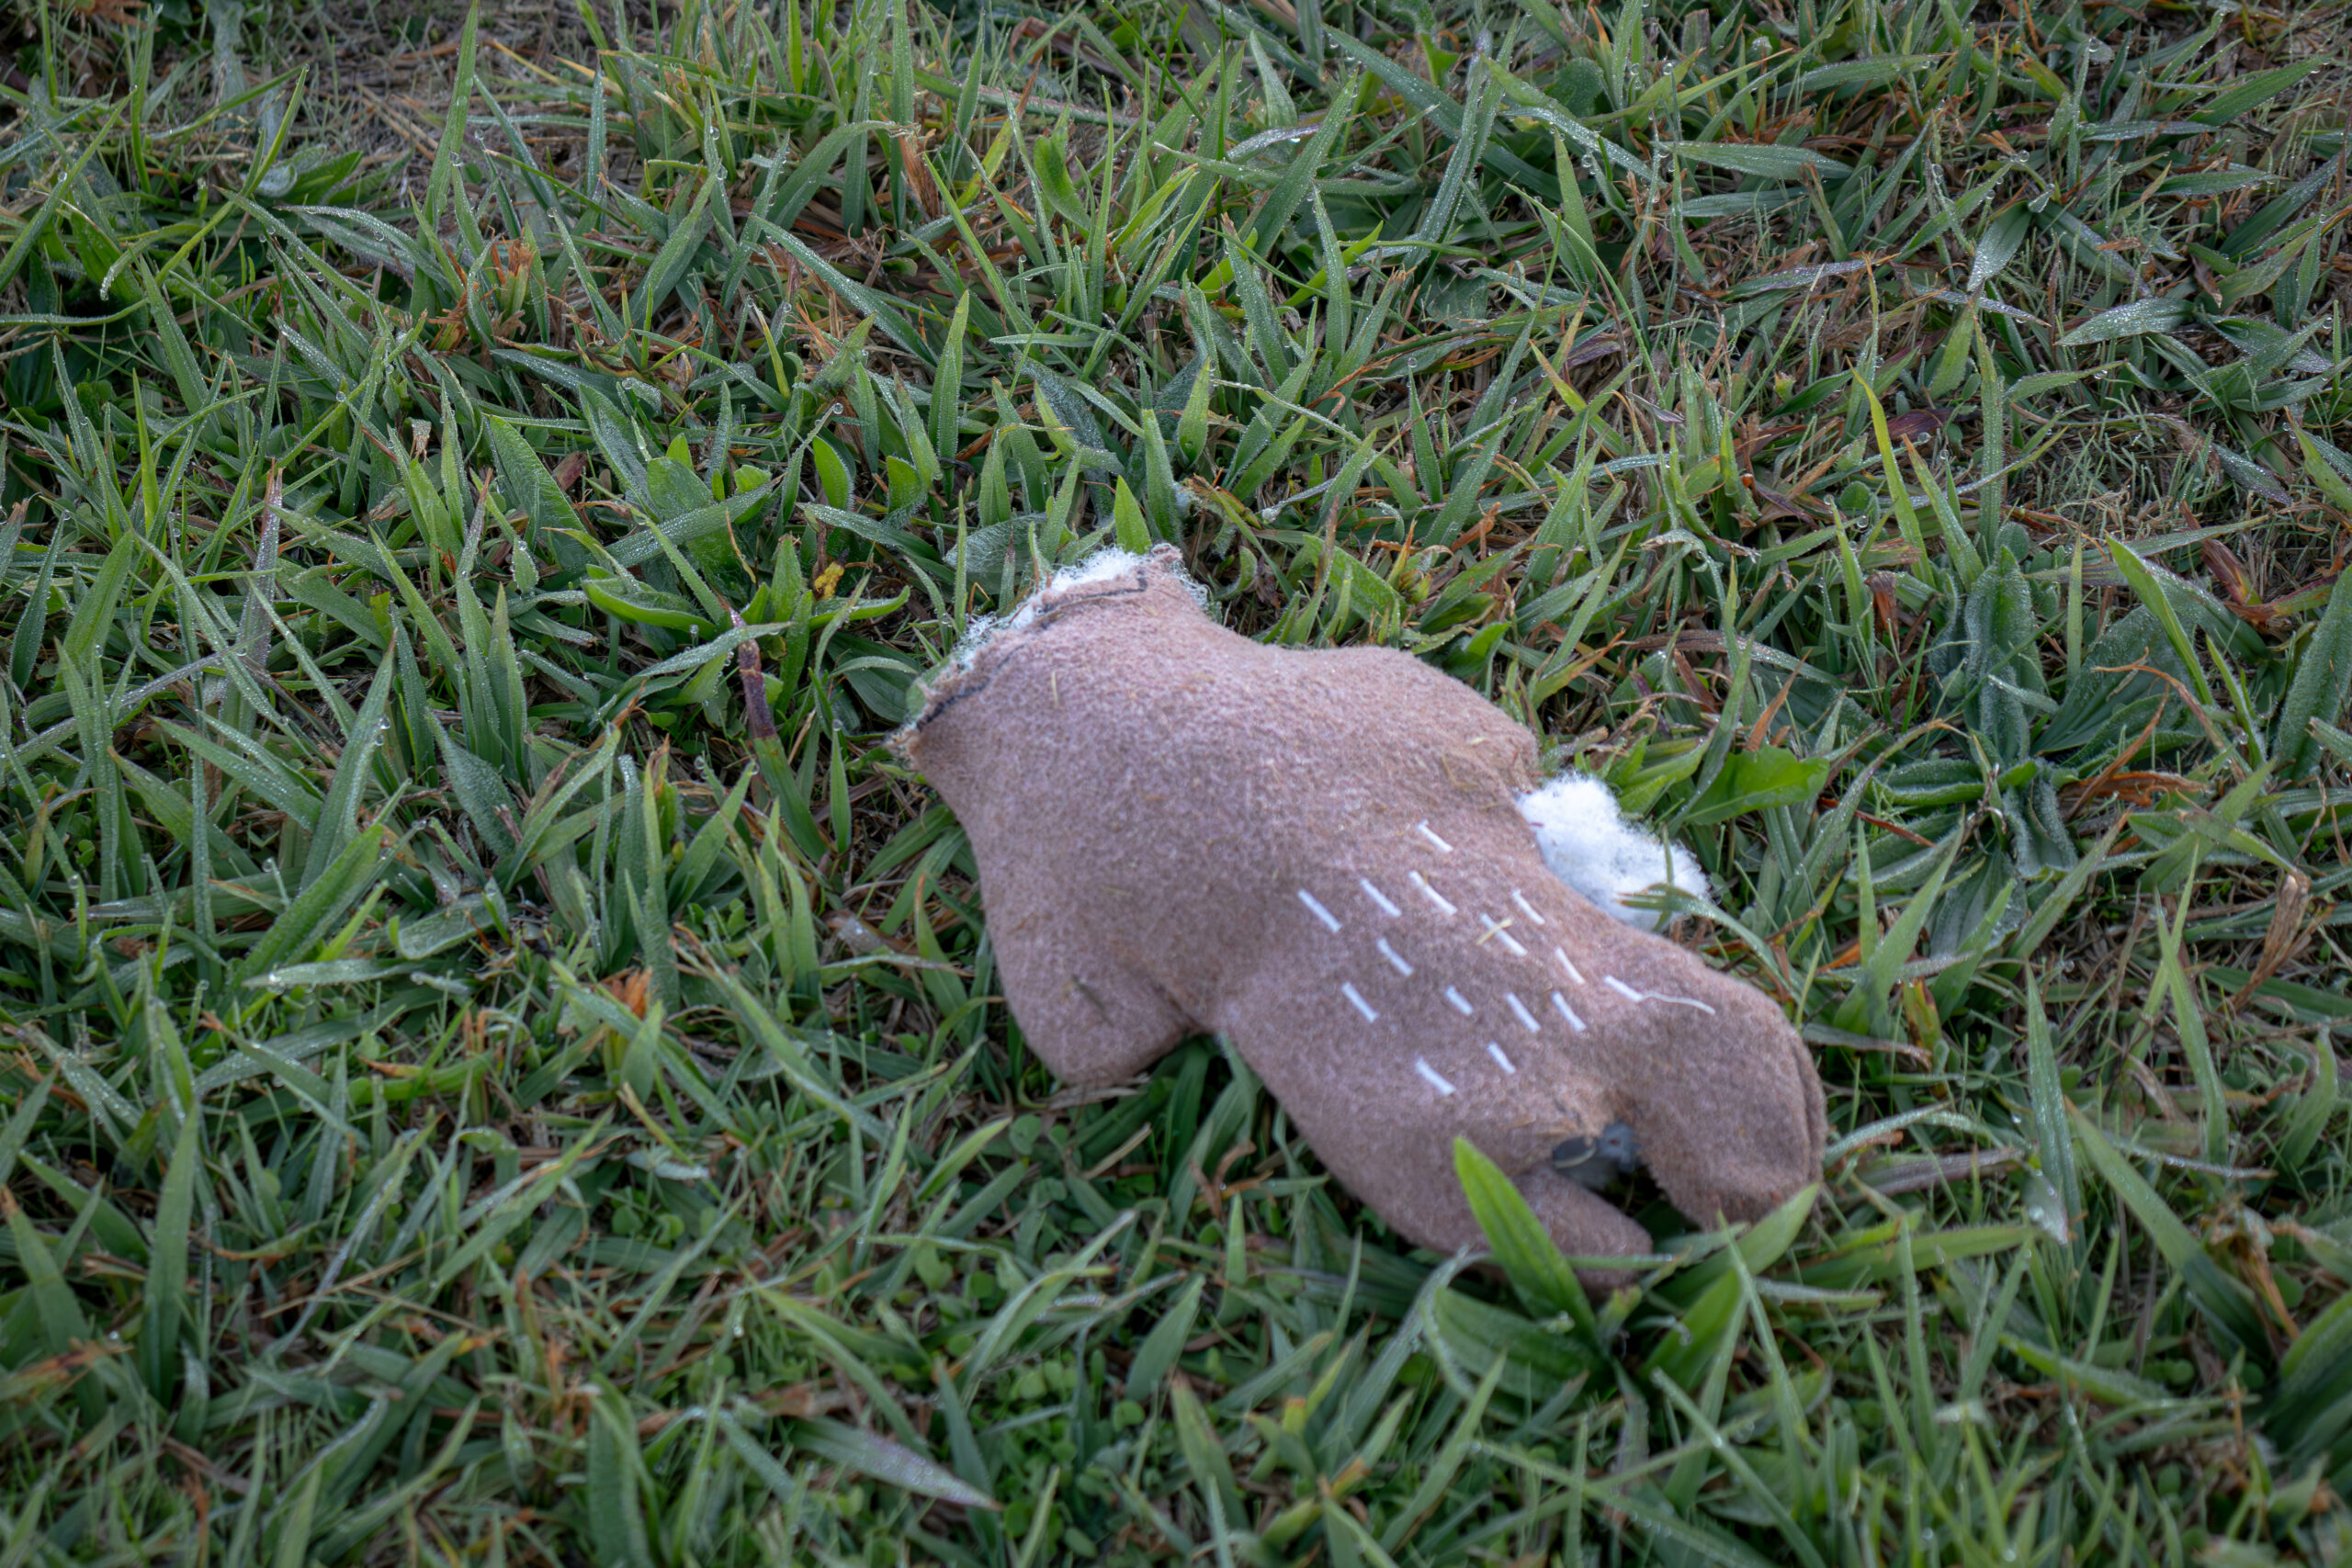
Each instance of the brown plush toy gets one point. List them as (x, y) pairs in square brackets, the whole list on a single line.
[(1337, 860)]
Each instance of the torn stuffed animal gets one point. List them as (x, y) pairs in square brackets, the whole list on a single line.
[(1341, 861)]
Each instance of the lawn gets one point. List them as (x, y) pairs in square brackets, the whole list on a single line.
[(503, 1063)]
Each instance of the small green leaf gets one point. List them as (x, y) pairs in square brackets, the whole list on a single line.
[(2321, 683), (1054, 183), (2256, 90), (2312, 1408), (615, 1519), (2133, 320), (1204, 1455), (2313, 1108), (886, 1461), (1790, 164), (307, 920), (1520, 1243), (1751, 781), (947, 384), (168, 1243), (676, 256), (1156, 1356), (831, 472), (1128, 525)]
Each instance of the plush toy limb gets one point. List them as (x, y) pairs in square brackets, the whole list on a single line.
[(1736, 1124), (1417, 1191), (1087, 1016), (1582, 1222)]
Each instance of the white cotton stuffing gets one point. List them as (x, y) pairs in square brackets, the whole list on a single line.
[(1101, 567), (1588, 844)]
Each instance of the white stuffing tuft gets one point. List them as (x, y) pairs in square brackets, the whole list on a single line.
[(1588, 844), (1101, 567)]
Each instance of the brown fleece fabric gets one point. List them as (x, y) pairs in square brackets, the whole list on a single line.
[(1317, 854)]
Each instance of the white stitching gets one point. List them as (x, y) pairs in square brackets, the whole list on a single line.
[(1494, 928), (1678, 1001), (1568, 966), (1431, 1076), (1348, 990), (1395, 958), (1519, 1011), (1431, 894), (1387, 906), (1460, 1003), (1567, 1012), (1423, 828), (1632, 995), (1502, 1061), (1527, 908), (1315, 906)]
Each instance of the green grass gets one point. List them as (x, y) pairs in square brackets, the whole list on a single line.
[(501, 1065)]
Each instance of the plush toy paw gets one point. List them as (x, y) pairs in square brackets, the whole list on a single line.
[(1343, 862)]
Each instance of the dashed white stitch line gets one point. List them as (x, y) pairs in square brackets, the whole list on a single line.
[(1680, 1001), (1502, 1061), (1494, 928), (1423, 829), (1461, 1004), (1519, 1011), (1348, 990), (1395, 959), (1571, 969), (1632, 995), (1431, 1076), (1431, 894), (1527, 908), (1315, 906), (1387, 905), (1561, 1003)]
